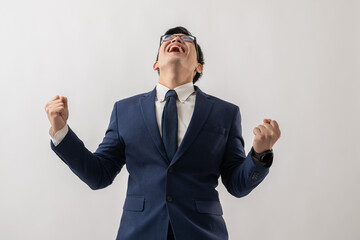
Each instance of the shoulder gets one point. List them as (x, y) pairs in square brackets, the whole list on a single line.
[(134, 99), (219, 102)]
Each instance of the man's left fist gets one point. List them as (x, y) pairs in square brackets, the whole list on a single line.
[(266, 135)]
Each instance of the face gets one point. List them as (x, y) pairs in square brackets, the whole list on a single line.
[(177, 52)]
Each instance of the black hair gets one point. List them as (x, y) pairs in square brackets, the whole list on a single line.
[(200, 56)]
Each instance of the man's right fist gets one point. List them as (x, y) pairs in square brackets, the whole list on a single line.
[(57, 112)]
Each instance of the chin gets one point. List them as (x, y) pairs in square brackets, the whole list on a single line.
[(174, 60)]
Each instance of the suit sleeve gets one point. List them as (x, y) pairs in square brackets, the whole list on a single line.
[(97, 169), (239, 173)]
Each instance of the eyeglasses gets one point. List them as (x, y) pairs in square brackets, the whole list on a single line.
[(185, 38)]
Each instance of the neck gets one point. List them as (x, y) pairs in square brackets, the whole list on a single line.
[(172, 78)]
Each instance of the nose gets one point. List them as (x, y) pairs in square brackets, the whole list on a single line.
[(176, 39)]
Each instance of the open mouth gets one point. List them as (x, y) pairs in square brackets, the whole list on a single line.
[(176, 48)]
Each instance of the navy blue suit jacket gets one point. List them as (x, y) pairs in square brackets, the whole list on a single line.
[(180, 190)]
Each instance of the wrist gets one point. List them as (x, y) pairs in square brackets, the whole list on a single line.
[(265, 158), (57, 127), (59, 135)]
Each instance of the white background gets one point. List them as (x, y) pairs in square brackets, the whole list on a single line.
[(293, 61)]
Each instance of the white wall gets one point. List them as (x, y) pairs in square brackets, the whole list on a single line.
[(293, 61)]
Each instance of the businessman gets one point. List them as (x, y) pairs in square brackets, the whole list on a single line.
[(176, 141)]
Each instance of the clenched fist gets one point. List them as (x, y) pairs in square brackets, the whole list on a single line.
[(57, 112), (266, 135)]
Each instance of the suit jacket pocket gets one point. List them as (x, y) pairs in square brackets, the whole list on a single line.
[(135, 204), (211, 207), (214, 129)]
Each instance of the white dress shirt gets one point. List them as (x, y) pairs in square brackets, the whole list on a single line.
[(185, 104)]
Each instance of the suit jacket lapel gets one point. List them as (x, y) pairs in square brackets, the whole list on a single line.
[(203, 105), (147, 103)]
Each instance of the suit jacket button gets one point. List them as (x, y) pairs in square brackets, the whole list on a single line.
[(171, 169), (169, 198)]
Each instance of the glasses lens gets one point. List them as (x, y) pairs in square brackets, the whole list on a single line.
[(166, 38), (187, 38)]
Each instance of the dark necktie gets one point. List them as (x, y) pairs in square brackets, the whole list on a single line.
[(169, 124)]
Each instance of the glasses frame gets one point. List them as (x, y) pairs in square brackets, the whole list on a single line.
[(176, 35)]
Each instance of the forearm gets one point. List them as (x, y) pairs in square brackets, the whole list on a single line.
[(241, 176), (97, 170)]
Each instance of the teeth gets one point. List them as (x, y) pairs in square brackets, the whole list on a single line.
[(180, 49)]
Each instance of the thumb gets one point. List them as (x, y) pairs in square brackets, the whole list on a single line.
[(65, 101)]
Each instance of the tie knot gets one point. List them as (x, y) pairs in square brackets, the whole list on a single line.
[(171, 94)]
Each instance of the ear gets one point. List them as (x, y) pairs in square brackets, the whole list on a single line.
[(199, 68), (156, 66)]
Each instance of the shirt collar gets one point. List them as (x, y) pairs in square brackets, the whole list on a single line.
[(183, 91)]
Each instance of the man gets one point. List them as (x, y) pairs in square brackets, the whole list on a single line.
[(176, 141)]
